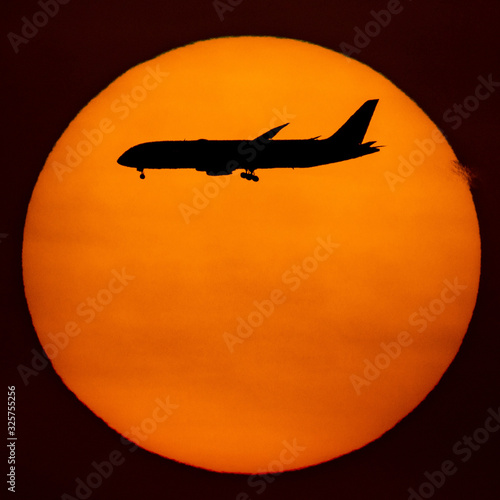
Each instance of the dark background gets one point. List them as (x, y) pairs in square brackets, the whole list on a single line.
[(433, 50)]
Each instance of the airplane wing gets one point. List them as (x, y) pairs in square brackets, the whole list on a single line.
[(269, 134)]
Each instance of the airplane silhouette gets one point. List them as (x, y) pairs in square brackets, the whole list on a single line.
[(222, 157)]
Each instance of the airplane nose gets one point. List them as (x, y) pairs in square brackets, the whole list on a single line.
[(123, 160)]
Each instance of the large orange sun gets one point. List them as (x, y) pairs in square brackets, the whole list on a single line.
[(240, 326)]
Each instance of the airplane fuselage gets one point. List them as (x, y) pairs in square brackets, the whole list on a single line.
[(223, 157)]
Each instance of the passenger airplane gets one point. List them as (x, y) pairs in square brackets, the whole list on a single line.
[(222, 157)]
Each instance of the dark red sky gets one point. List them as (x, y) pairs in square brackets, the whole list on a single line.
[(434, 51)]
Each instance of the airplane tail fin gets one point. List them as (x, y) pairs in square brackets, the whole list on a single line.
[(354, 129)]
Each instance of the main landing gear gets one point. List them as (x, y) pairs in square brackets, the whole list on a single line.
[(142, 176), (249, 177)]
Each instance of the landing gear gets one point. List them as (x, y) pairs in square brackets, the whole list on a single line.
[(249, 177), (142, 176)]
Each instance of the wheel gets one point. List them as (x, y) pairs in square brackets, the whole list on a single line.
[(142, 176), (243, 175), (255, 178)]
